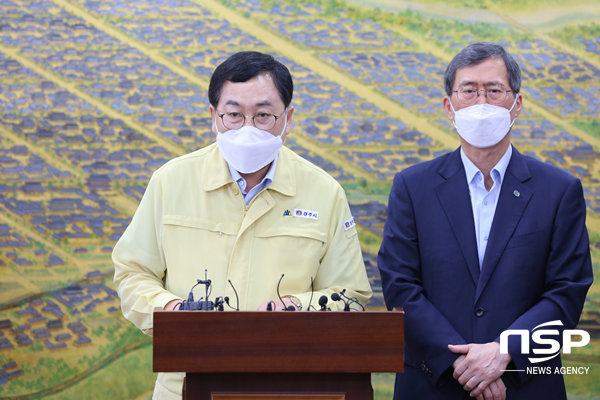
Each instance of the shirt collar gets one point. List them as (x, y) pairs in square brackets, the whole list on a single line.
[(471, 170), (217, 174), (268, 179)]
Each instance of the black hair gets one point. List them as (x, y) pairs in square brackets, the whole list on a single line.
[(245, 65), (476, 53)]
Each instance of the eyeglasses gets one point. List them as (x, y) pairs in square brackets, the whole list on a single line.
[(495, 94), (263, 120)]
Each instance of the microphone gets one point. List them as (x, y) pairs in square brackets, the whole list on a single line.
[(219, 301), (190, 298), (278, 295), (190, 304), (290, 308), (237, 299), (337, 297), (207, 283), (323, 302), (351, 300), (206, 305), (312, 291)]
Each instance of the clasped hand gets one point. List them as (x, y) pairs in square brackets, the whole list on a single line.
[(479, 369)]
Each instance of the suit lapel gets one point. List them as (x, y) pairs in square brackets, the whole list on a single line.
[(513, 199), (454, 197)]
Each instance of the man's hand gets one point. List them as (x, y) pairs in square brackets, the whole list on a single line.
[(172, 305), (458, 361), (482, 365), (495, 391), (276, 305)]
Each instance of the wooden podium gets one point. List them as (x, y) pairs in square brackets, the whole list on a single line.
[(261, 355)]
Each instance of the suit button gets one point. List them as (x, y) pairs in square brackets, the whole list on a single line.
[(479, 312)]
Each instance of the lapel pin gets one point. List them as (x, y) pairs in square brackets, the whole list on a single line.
[(516, 193)]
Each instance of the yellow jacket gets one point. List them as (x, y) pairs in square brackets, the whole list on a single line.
[(193, 217)]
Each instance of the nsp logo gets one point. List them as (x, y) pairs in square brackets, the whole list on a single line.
[(538, 337)]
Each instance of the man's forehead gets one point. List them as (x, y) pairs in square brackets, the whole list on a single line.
[(258, 91), (265, 102), (489, 71)]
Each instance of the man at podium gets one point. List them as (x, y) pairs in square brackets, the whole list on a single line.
[(246, 209)]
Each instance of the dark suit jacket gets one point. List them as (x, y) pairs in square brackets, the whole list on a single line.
[(536, 269)]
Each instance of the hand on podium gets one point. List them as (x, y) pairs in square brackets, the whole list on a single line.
[(172, 305)]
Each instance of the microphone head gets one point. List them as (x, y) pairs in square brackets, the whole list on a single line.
[(323, 301), (291, 308), (336, 297)]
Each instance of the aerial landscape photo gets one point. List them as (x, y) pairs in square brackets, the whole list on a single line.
[(97, 95)]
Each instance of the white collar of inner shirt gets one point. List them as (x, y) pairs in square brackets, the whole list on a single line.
[(268, 179), (471, 170)]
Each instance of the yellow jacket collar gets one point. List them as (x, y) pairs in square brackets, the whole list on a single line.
[(217, 172)]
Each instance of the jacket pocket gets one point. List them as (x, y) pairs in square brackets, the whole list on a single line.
[(307, 233), (293, 251), (527, 238), (228, 228), (193, 244)]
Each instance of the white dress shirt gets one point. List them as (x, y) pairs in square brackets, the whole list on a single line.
[(484, 202), (266, 181)]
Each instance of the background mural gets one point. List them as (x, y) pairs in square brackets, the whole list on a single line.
[(96, 95)]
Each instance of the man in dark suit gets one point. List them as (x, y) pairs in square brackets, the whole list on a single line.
[(479, 241)]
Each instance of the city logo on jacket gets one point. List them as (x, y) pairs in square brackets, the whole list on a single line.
[(306, 214), (349, 224), (543, 337)]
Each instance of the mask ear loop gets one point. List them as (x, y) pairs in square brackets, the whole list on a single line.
[(215, 123), (284, 124), (513, 106), (453, 123)]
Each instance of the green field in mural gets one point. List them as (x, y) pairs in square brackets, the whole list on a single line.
[(96, 95)]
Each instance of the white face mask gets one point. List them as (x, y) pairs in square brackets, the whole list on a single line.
[(483, 125), (249, 149)]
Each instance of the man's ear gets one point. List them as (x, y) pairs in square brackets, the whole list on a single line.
[(288, 125), (212, 119), (448, 108), (518, 106)]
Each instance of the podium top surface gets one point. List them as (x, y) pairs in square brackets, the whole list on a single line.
[(259, 341)]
